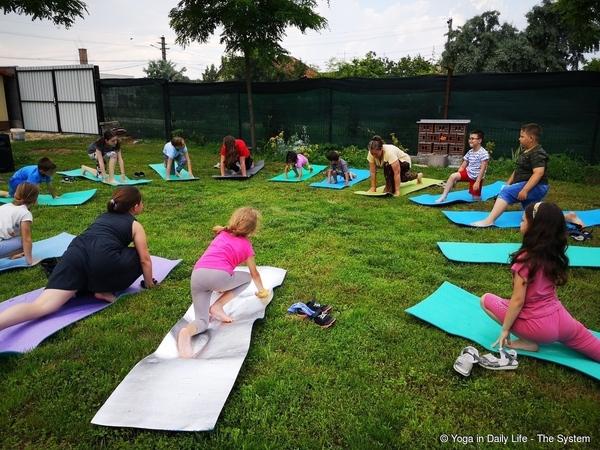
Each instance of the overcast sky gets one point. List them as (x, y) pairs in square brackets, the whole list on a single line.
[(119, 33)]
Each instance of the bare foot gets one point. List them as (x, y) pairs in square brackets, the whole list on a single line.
[(184, 343), (419, 178), (573, 218), (440, 200), (217, 312), (482, 224), (106, 296), (523, 344), (17, 255)]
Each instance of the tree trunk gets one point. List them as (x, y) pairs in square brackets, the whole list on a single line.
[(248, 68)]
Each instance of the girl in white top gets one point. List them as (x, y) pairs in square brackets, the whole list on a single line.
[(15, 223)]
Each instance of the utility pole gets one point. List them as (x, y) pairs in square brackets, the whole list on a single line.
[(450, 69), (163, 48)]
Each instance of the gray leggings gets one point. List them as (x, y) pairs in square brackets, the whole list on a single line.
[(204, 282)]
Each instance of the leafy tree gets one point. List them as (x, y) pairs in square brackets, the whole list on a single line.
[(372, 66), (593, 65), (482, 44), (210, 74), (253, 29), (165, 69), (61, 12), (582, 18), (281, 68)]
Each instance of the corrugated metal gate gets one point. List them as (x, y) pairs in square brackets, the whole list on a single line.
[(59, 98)]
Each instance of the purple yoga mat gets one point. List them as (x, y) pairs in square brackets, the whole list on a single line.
[(26, 336)]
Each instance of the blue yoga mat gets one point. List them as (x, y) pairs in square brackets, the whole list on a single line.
[(499, 253), (162, 171), (487, 192), (458, 312), (361, 175), (53, 247), (512, 219), (66, 199), (89, 176), (292, 178)]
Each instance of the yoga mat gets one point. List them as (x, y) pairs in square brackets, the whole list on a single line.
[(162, 171), (66, 199), (500, 253), (230, 175), (165, 392), (512, 219), (487, 192), (292, 178), (458, 312), (405, 188), (361, 175), (48, 248), (24, 337), (88, 176)]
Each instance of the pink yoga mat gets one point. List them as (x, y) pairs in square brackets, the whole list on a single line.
[(26, 336)]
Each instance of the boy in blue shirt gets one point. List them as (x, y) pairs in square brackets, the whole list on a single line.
[(176, 152), (42, 173)]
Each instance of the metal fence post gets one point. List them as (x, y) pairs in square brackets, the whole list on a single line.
[(167, 106)]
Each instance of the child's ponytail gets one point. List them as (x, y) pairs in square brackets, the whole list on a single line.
[(243, 222)]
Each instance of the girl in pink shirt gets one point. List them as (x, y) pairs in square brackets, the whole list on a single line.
[(215, 272), (296, 161), (534, 313)]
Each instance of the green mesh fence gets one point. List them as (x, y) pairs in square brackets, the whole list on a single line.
[(349, 111)]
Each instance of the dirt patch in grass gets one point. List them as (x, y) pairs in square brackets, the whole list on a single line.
[(56, 151)]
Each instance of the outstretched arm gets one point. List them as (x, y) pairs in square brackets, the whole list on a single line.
[(514, 308), (141, 246)]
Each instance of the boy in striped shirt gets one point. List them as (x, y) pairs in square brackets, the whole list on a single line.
[(472, 169)]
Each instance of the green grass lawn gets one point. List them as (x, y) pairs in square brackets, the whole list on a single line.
[(378, 379)]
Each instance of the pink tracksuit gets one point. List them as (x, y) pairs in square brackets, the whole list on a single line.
[(543, 319)]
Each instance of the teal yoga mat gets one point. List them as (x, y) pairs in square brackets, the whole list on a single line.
[(162, 171), (66, 199), (499, 253), (512, 219), (487, 192), (458, 312), (88, 176), (361, 175), (292, 178), (53, 247)]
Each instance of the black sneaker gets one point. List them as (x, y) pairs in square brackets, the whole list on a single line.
[(317, 307)]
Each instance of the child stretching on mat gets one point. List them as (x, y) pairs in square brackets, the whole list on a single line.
[(235, 156), (215, 272), (107, 148), (176, 152), (338, 167), (15, 223), (34, 174), (534, 313), (529, 181), (296, 161), (99, 261), (472, 169)]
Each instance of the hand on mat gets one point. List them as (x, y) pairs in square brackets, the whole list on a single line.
[(263, 293), (144, 286), (503, 340), (372, 189), (123, 178), (34, 261)]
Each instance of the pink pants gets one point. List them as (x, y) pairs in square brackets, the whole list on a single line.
[(559, 326)]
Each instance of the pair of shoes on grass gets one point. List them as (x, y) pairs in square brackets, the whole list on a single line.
[(67, 179), (139, 174), (580, 234), (314, 311), (469, 356)]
